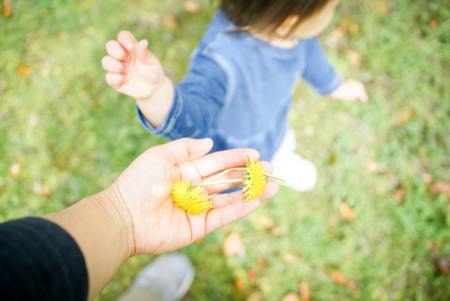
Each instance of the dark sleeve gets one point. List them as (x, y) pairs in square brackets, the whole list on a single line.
[(197, 101), (40, 261), (319, 73)]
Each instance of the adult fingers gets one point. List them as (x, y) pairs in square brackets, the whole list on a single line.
[(233, 175), (225, 199), (218, 161), (112, 65), (222, 216), (184, 149)]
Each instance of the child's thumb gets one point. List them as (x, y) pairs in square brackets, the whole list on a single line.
[(142, 53)]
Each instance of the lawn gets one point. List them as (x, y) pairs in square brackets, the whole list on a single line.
[(376, 228)]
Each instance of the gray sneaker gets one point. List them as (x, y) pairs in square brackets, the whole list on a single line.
[(170, 276)]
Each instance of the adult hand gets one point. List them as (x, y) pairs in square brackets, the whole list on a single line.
[(145, 186)]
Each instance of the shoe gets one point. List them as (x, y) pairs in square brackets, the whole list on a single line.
[(170, 276), (298, 173)]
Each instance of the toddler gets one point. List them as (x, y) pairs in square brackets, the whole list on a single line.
[(238, 89)]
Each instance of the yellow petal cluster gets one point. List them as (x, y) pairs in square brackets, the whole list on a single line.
[(191, 199), (254, 180)]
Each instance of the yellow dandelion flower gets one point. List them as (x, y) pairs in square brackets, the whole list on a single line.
[(254, 180), (193, 200)]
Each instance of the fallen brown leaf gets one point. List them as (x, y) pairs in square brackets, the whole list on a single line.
[(338, 277), (352, 285), (239, 283), (251, 275), (404, 117), (291, 297), (7, 8), (233, 246), (433, 24), (290, 258), (191, 6), (354, 57), (42, 189), (382, 7), (347, 213), (399, 195), (15, 170), (376, 167), (255, 296), (261, 263), (276, 231), (442, 265), (266, 221), (305, 292), (24, 70), (169, 21), (442, 188)]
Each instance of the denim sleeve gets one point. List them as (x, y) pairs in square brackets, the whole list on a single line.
[(319, 72), (197, 101)]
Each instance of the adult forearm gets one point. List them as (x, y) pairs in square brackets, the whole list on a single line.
[(102, 228), (157, 106)]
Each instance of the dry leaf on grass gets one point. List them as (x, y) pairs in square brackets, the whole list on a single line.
[(291, 297), (347, 213), (442, 188), (24, 70), (305, 292), (382, 7), (191, 6), (338, 277), (169, 21), (42, 189), (404, 117), (399, 195), (7, 8), (233, 245), (255, 296), (251, 275), (240, 283), (354, 57), (15, 170)]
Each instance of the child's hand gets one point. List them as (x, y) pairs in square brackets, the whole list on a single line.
[(350, 90), (131, 68)]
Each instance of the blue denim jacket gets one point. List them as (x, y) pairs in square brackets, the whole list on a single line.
[(238, 89)]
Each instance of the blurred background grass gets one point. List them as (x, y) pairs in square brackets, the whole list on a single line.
[(376, 228)]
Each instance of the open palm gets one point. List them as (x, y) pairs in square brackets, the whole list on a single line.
[(159, 226)]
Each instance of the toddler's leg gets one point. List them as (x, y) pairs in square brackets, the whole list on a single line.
[(299, 174)]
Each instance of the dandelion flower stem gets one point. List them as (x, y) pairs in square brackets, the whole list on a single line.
[(220, 174), (276, 179), (208, 183)]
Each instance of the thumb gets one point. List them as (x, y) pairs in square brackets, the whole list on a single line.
[(142, 53), (145, 61)]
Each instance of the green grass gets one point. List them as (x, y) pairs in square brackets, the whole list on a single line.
[(70, 132)]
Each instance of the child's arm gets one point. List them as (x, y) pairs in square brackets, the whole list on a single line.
[(136, 72), (187, 110), (322, 76)]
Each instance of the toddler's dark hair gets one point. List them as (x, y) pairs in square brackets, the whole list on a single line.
[(267, 15)]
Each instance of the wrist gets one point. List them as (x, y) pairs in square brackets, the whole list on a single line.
[(102, 228), (119, 217), (162, 84), (156, 107)]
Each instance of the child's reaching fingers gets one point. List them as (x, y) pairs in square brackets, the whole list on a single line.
[(115, 50), (112, 65), (126, 39), (114, 79)]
